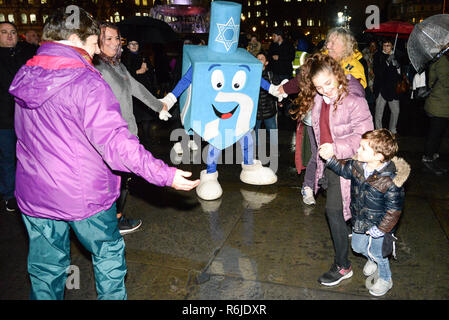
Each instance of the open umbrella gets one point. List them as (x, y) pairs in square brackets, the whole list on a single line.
[(147, 30), (428, 41), (397, 29)]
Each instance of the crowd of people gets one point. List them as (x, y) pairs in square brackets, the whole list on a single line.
[(90, 103)]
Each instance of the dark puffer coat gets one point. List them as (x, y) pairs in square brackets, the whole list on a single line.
[(378, 200), (267, 106)]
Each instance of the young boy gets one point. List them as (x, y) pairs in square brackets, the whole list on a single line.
[(267, 107), (377, 198)]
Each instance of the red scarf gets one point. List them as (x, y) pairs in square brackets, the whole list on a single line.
[(325, 130)]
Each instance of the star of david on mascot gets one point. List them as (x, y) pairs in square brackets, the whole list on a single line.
[(218, 94)]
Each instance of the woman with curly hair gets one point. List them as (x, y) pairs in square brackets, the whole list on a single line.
[(342, 46), (340, 115)]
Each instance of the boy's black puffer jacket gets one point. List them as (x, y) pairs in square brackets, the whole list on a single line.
[(378, 200)]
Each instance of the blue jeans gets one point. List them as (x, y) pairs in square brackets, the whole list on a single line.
[(49, 254), (7, 163), (270, 124), (360, 244)]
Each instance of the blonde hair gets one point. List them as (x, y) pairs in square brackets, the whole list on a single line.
[(348, 39)]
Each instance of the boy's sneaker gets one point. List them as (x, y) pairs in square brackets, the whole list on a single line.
[(307, 196), (335, 275), (11, 205), (127, 226), (178, 148), (381, 287), (192, 145), (369, 268)]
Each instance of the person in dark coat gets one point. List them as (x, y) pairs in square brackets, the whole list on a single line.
[(387, 73), (143, 71), (13, 55), (267, 107), (281, 54)]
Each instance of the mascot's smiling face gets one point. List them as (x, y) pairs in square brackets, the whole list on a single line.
[(221, 104)]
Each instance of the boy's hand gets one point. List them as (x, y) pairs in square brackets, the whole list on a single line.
[(181, 183), (326, 151)]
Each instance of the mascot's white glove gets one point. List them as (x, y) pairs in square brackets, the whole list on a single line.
[(169, 100), (274, 90), (164, 115)]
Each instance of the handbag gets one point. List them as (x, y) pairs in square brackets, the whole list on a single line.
[(403, 85)]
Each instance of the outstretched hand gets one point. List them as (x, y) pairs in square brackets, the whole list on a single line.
[(181, 183)]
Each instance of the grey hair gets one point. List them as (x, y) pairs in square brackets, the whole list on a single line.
[(347, 37)]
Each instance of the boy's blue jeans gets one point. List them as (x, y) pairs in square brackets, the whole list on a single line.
[(49, 254), (360, 244)]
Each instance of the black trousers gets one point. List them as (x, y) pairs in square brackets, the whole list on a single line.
[(124, 190), (435, 134), (335, 219)]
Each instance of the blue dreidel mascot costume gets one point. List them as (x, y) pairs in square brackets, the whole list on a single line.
[(219, 95)]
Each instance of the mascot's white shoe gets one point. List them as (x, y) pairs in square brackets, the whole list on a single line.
[(257, 174), (209, 188)]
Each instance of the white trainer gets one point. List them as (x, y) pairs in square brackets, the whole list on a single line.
[(369, 268), (209, 187), (257, 174), (381, 287), (178, 148), (307, 196), (192, 145)]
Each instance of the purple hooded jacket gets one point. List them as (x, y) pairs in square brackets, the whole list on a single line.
[(70, 136), (347, 124)]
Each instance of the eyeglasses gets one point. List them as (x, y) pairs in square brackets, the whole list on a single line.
[(133, 43)]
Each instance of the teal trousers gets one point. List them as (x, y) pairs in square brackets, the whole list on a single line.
[(49, 254)]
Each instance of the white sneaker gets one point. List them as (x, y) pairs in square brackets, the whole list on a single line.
[(209, 187), (192, 145), (178, 148), (257, 174), (381, 287), (307, 196), (369, 268)]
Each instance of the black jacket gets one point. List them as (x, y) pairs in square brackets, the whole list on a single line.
[(386, 76), (286, 52), (267, 103), (11, 59), (378, 200)]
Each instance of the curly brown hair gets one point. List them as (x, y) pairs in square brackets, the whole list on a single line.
[(313, 65)]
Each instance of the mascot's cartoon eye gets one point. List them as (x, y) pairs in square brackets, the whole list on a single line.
[(217, 79), (238, 82)]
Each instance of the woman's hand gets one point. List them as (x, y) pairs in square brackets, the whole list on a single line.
[(143, 68), (181, 183)]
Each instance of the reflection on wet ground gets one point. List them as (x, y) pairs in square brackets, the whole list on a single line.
[(255, 242)]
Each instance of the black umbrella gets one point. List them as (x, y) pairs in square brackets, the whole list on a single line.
[(147, 30)]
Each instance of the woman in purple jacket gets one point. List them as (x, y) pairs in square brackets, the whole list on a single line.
[(340, 115), (70, 136)]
